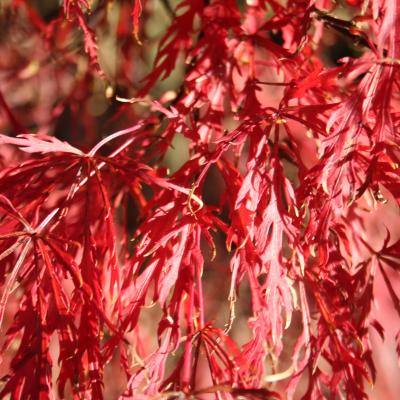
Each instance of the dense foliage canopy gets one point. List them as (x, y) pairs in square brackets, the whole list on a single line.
[(199, 199)]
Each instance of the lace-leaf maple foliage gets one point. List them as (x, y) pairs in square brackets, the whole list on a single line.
[(111, 265)]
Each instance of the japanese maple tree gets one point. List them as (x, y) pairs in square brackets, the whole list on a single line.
[(199, 199)]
